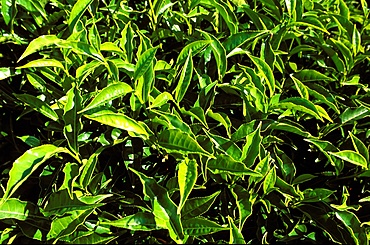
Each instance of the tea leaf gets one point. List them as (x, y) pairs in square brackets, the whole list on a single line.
[(26, 164)]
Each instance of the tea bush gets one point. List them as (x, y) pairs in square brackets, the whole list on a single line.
[(197, 121)]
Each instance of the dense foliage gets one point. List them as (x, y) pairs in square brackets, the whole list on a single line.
[(197, 121)]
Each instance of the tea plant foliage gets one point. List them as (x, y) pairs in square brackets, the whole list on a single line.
[(195, 121)]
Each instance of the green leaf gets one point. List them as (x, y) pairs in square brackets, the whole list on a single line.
[(187, 176), (269, 182), (303, 178), (264, 71), (195, 48), (322, 218), (322, 95), (42, 63), (37, 82), (145, 83), (6, 72), (174, 140), (7, 10), (201, 226), (244, 202), (72, 121), (196, 113), (301, 88), (225, 164), (94, 37), (338, 62), (298, 104), (290, 126), (107, 94), (77, 11), (118, 120), (127, 41), (245, 37), (163, 207), (82, 48), (92, 237), (309, 75), (236, 236), (83, 71), (145, 60), (61, 202), (263, 168), (26, 164), (185, 78), (32, 141), (14, 208), (222, 118), (325, 147), (227, 15), (38, 105), (359, 146), (352, 157), (67, 224), (286, 188), (40, 43), (140, 221), (111, 47), (255, 17), (354, 114), (356, 41), (310, 22), (88, 168), (172, 121), (160, 100), (354, 226), (71, 172), (316, 195), (198, 205), (243, 131), (219, 52), (251, 148), (226, 146)]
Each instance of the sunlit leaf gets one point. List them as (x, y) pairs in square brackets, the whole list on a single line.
[(225, 164), (244, 202), (145, 60), (163, 207), (236, 237), (38, 105), (187, 176), (42, 63), (185, 78), (14, 208), (77, 11), (26, 164), (174, 140), (198, 205), (118, 120), (201, 226), (67, 224), (352, 157), (40, 43), (107, 94), (137, 222)]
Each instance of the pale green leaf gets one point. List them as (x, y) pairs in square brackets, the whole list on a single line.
[(351, 157), (77, 11), (26, 164), (118, 120), (107, 94), (187, 176)]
